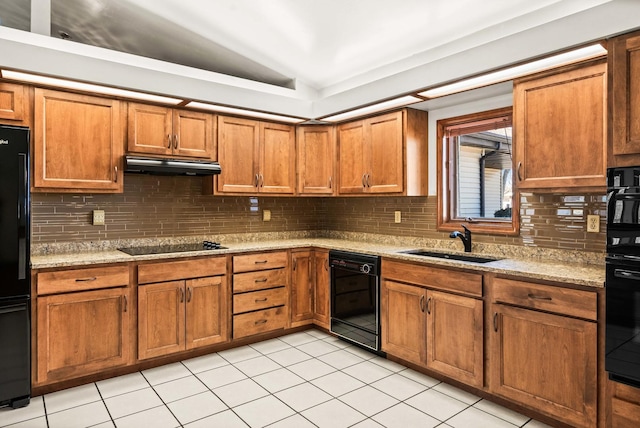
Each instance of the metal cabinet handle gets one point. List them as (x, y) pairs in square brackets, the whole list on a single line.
[(256, 181), (116, 170), (189, 294), (264, 299), (175, 141), (260, 322), (368, 180), (125, 304), (429, 305), (364, 183), (536, 297), (181, 292), (86, 279), (261, 280), (422, 303), (261, 180), (519, 168), (260, 262), (330, 182), (168, 141), (495, 321)]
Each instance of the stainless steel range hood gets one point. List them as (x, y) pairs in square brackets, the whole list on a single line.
[(148, 165)]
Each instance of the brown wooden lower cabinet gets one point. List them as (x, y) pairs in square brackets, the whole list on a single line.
[(624, 405), (181, 315), (545, 361), (322, 310), (302, 287), (441, 331), (82, 333)]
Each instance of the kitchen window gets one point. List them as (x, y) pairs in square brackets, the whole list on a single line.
[(475, 173)]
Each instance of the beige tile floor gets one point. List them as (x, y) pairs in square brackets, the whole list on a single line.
[(307, 379)]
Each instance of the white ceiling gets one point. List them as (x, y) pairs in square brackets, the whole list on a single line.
[(339, 54)]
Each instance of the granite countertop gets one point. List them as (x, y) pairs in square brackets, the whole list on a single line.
[(570, 272)]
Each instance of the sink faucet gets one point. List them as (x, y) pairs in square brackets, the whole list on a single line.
[(466, 238)]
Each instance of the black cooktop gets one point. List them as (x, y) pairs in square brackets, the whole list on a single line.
[(177, 248)]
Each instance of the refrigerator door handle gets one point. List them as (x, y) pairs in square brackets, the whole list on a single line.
[(22, 216)]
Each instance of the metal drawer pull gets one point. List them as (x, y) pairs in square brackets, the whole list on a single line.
[(260, 322), (86, 279), (495, 321), (535, 297), (261, 280), (264, 299), (260, 262)]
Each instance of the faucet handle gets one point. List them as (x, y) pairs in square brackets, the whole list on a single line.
[(466, 229)]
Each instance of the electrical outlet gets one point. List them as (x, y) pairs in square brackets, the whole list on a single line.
[(98, 217), (398, 217), (266, 215), (593, 223)]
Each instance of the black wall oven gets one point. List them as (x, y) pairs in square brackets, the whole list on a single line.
[(355, 298), (622, 337)]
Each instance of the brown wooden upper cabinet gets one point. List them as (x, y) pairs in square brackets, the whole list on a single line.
[(560, 126), (78, 142), (624, 67), (14, 104), (255, 156), (170, 132), (384, 154), (316, 147)]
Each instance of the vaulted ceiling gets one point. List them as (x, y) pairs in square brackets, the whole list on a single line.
[(299, 57)]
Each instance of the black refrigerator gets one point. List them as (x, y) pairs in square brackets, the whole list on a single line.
[(15, 275)]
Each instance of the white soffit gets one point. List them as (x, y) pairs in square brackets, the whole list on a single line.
[(341, 54)]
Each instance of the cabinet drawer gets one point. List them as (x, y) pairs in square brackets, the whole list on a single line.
[(253, 262), (564, 301), (426, 276), (259, 322), (82, 279), (259, 280), (182, 269), (255, 300)]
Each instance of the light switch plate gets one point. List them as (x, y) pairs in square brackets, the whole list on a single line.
[(398, 216), (593, 223), (98, 217), (266, 215)]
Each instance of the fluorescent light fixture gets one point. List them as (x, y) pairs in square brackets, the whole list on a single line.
[(242, 112), (589, 52), (87, 87), (385, 105)]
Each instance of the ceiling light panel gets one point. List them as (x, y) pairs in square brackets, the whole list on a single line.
[(241, 112), (385, 105)]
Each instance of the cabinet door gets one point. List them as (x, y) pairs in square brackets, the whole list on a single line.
[(161, 319), (301, 286), (193, 134), (455, 329), (316, 154), (277, 158), (150, 129), (625, 112), (321, 311), (78, 142), (547, 362), (403, 322), (560, 123), (13, 102), (238, 155), (82, 333), (385, 154), (352, 158), (207, 311)]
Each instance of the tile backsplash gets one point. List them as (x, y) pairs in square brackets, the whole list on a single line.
[(159, 206)]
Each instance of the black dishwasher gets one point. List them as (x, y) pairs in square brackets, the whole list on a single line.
[(355, 298)]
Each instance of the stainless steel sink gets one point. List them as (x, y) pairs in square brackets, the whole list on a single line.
[(461, 257)]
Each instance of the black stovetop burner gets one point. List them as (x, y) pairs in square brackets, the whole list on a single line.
[(177, 248)]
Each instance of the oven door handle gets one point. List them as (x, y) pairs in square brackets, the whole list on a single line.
[(626, 274)]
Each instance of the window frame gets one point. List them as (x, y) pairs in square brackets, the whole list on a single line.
[(447, 164)]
